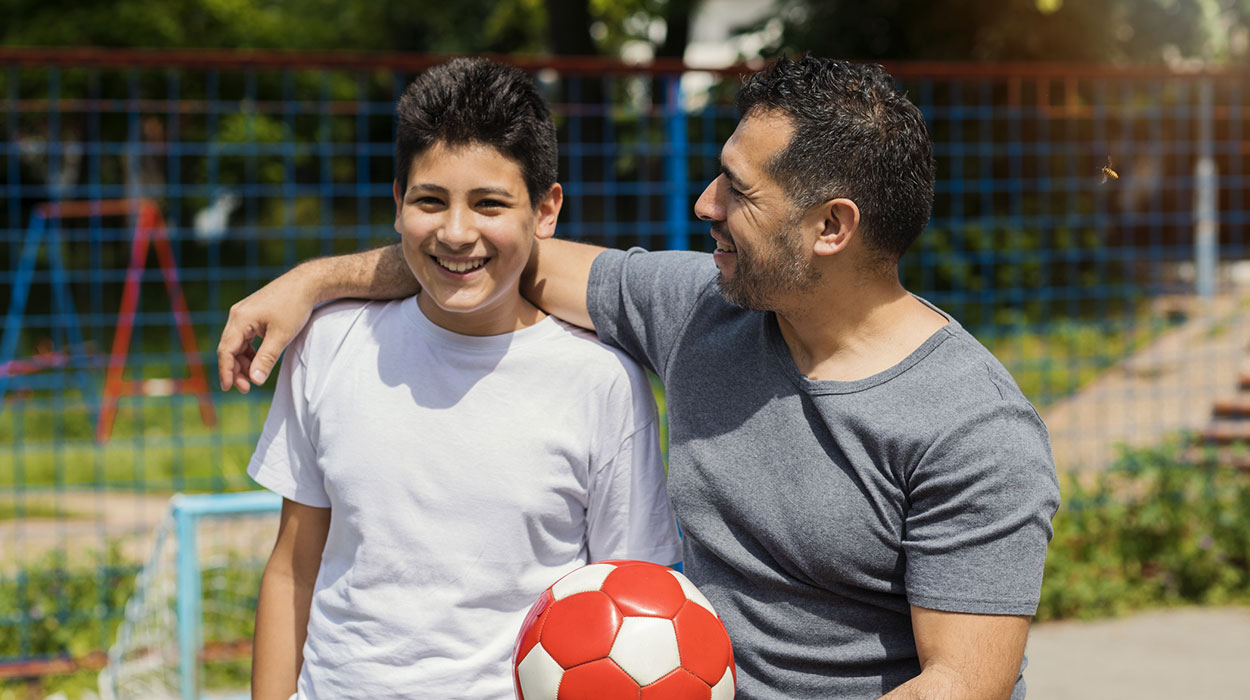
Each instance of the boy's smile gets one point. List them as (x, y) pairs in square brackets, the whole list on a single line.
[(467, 227)]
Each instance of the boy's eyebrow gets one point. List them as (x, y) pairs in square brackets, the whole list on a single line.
[(476, 191), (490, 190)]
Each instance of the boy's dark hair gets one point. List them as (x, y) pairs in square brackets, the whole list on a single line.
[(856, 136), (476, 101)]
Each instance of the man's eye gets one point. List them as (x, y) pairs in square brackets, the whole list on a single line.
[(735, 192)]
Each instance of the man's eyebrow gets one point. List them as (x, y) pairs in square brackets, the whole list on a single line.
[(733, 179)]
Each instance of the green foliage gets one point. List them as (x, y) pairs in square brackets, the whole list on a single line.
[(58, 608), (1154, 530), (1051, 361), (374, 25), (992, 276), (67, 610), (1014, 30)]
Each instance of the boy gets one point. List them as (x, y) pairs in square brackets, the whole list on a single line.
[(445, 457)]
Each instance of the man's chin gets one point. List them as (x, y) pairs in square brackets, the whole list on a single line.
[(735, 294)]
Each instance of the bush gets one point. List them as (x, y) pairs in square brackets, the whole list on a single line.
[(1156, 529)]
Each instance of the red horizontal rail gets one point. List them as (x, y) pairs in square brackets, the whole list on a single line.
[(33, 668), (337, 60), (78, 56), (213, 652)]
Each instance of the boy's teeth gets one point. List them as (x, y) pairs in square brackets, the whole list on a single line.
[(726, 247), (463, 266)]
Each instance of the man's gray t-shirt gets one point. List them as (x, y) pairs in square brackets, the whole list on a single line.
[(815, 512)]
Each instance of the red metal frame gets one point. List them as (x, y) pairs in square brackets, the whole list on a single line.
[(77, 56), (149, 231)]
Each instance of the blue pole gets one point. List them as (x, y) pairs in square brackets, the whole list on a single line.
[(13, 321), (189, 630), (677, 214)]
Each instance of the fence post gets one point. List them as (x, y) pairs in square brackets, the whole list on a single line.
[(676, 204), (1206, 197)]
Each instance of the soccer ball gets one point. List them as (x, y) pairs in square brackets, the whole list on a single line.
[(623, 629)]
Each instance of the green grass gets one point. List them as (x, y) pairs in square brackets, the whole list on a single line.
[(160, 444), (157, 445)]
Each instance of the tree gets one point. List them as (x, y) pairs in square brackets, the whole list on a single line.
[(1017, 30)]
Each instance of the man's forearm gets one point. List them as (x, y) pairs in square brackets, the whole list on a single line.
[(934, 683), (556, 278), (381, 273)]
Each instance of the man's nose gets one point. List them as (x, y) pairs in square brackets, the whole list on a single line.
[(708, 207)]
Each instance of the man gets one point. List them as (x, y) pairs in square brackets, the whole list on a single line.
[(864, 493)]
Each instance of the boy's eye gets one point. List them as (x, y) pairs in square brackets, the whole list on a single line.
[(426, 201), (491, 204)]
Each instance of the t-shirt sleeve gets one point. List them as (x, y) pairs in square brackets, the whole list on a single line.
[(628, 514), (285, 460), (981, 503), (640, 301)]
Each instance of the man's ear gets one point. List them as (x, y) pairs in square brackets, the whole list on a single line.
[(839, 224), (548, 211)]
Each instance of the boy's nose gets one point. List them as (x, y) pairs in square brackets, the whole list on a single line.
[(458, 231)]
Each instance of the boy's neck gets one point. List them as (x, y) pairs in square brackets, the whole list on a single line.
[(511, 315)]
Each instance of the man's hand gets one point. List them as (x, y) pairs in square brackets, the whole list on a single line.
[(278, 311), (275, 313)]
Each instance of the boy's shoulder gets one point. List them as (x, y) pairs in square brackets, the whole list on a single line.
[(582, 356), (583, 343), (333, 323)]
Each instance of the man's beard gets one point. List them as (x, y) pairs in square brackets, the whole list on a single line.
[(762, 278)]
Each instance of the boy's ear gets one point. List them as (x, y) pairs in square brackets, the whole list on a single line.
[(839, 224), (399, 198), (548, 211)]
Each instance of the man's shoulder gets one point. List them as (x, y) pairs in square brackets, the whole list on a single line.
[(967, 361), (667, 271)]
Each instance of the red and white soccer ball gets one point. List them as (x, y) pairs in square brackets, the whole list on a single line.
[(623, 629)]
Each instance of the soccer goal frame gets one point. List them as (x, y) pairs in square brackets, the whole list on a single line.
[(177, 544)]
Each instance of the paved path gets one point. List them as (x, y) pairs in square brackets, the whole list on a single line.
[(1157, 655), (1168, 386)]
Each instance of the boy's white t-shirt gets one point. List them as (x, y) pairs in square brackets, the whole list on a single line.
[(464, 476)]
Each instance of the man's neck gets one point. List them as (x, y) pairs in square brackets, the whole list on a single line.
[(855, 332)]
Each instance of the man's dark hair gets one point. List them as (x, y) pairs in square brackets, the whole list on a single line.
[(474, 101), (856, 136)]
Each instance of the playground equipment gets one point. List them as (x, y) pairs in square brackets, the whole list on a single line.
[(149, 232)]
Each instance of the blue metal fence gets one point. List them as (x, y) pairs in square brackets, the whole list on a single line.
[(1116, 305)]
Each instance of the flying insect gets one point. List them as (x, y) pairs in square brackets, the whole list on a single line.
[(1108, 173)]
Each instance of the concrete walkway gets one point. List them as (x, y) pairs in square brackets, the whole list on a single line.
[(1157, 655), (1168, 386)]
